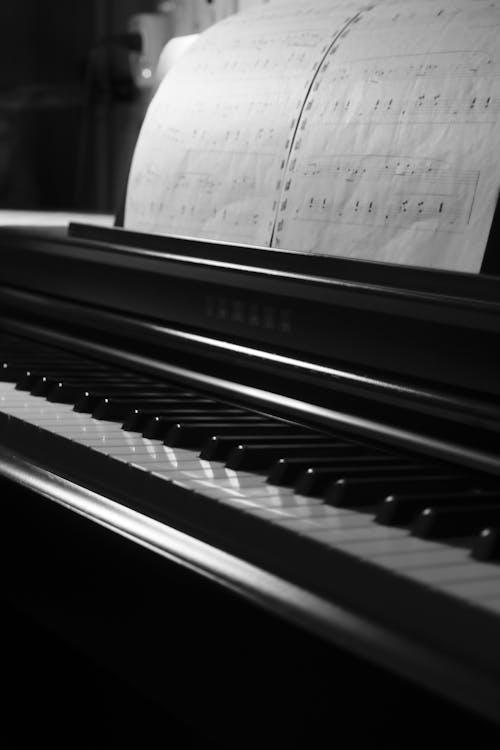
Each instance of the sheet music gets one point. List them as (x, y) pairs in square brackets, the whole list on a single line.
[(398, 154), (366, 130), (216, 139)]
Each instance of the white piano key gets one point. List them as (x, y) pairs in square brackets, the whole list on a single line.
[(74, 427), (255, 493), (299, 511), (203, 470), (473, 571), (424, 558), (172, 456), (492, 604), (475, 589), (245, 505), (261, 503), (259, 506), (432, 563), (161, 463), (72, 424), (113, 440), (114, 446), (39, 405), (121, 450), (372, 548), (245, 481), (370, 532), (221, 494), (341, 521)]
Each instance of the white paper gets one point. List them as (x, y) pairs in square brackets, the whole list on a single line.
[(368, 131), (398, 157), (216, 139), (171, 54)]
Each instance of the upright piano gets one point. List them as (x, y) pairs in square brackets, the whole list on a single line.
[(260, 487)]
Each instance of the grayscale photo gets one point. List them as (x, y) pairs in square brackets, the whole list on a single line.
[(250, 374)]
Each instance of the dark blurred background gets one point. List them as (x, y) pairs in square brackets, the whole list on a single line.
[(72, 94), (69, 108)]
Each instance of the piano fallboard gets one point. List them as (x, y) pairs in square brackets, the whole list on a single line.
[(410, 327)]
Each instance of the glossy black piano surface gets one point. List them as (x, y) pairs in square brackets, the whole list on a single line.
[(303, 452)]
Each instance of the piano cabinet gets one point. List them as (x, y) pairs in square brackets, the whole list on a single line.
[(199, 599)]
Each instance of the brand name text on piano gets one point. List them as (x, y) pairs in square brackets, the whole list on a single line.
[(243, 312)]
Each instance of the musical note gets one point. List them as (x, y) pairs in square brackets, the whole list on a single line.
[(424, 108), (432, 15), (413, 16), (387, 191), (435, 214), (428, 66), (427, 172)]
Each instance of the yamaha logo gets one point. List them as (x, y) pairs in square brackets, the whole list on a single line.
[(249, 314)]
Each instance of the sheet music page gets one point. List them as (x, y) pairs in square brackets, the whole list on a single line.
[(216, 139), (397, 156), (337, 127)]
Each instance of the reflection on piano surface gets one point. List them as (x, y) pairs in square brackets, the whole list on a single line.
[(320, 440)]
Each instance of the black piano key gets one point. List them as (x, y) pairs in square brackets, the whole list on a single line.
[(400, 509), (158, 427), (139, 419), (119, 410), (96, 382), (355, 491), (315, 481), (90, 399), (193, 434), (33, 376), (259, 457), (43, 385), (486, 545), (152, 403), (286, 471), (148, 409), (35, 364), (457, 521), (10, 373), (54, 389), (75, 369), (71, 392), (151, 398), (136, 421), (218, 448), (27, 380), (85, 400)]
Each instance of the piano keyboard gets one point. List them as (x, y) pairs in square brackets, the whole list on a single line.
[(419, 520), (407, 514)]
